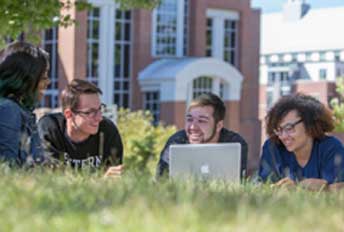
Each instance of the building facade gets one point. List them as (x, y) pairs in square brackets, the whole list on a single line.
[(302, 50), (161, 59)]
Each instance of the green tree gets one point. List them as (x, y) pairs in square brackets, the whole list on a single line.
[(338, 106), (32, 16)]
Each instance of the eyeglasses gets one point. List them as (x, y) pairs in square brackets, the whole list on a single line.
[(288, 129), (92, 113)]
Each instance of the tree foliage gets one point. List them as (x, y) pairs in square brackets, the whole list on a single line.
[(338, 106), (31, 16)]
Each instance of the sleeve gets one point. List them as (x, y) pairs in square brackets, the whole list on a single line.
[(162, 167), (244, 152), (234, 137), (10, 131), (268, 166), (48, 132), (113, 145), (332, 162)]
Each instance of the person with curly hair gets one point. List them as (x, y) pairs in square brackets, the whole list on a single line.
[(299, 150)]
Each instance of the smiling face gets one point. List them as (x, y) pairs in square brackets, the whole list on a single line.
[(200, 125), (292, 133), (84, 121)]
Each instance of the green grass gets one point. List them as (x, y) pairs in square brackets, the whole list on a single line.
[(67, 201)]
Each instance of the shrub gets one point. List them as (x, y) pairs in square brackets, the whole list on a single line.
[(142, 140), (338, 106)]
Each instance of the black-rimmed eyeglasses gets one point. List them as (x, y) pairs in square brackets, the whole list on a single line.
[(288, 129), (92, 113)]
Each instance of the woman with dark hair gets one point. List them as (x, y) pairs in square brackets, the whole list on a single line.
[(23, 78), (299, 151)]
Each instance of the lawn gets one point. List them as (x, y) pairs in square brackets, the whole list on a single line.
[(68, 201)]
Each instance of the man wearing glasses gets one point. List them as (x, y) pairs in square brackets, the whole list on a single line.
[(299, 151), (80, 136), (203, 124)]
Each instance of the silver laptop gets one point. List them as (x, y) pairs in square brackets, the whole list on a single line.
[(206, 161)]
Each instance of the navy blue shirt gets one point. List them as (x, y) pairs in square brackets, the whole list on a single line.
[(326, 162)]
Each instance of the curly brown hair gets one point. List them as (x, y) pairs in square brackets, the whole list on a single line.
[(317, 118)]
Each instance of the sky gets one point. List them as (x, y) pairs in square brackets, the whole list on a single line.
[(269, 6)]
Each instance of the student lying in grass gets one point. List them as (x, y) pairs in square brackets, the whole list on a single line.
[(299, 152)]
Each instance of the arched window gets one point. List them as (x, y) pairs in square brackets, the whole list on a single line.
[(202, 85), (207, 84)]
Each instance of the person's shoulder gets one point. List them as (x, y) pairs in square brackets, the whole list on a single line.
[(329, 141), (9, 106), (178, 138), (52, 116), (231, 136), (107, 123), (11, 113), (108, 126), (52, 119)]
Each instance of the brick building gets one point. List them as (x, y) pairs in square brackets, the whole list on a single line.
[(302, 50), (160, 59)]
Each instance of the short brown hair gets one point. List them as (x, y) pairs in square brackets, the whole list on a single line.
[(316, 117), (70, 95), (210, 99)]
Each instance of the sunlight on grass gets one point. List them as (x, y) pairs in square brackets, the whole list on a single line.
[(72, 201)]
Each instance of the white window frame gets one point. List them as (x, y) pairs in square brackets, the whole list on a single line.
[(53, 92), (180, 31), (219, 87), (151, 102), (106, 50), (218, 28)]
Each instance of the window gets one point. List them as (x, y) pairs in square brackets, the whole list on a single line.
[(222, 35), (338, 72), (209, 37), (202, 85), (109, 51), (50, 39), (279, 84), (269, 99), (152, 103), (122, 58), (170, 28), (230, 41), (322, 74), (93, 32)]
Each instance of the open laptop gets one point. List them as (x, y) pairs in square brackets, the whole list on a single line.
[(206, 161)]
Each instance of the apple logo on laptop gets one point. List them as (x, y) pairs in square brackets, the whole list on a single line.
[(205, 169)]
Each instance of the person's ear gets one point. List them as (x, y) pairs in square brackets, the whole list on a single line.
[(219, 126), (68, 113)]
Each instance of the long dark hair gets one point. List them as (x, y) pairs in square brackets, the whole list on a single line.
[(22, 65)]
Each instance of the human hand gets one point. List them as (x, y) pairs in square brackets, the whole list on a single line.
[(114, 171), (313, 184), (285, 182)]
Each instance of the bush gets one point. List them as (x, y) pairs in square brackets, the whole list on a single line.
[(142, 140), (338, 106)]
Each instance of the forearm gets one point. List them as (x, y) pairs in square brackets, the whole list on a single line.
[(335, 186), (314, 184)]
